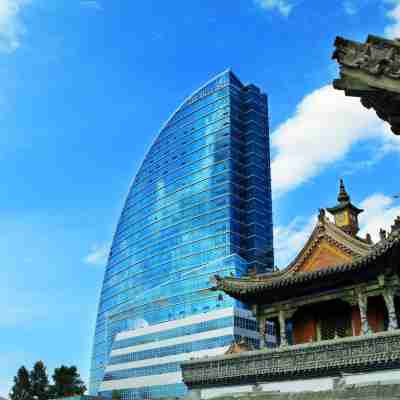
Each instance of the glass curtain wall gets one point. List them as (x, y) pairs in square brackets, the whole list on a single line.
[(199, 205)]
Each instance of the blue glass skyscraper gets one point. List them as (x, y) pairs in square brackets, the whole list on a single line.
[(200, 205)]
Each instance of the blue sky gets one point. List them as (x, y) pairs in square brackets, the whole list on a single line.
[(86, 85)]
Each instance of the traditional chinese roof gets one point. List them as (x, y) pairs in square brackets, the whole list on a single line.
[(275, 285), (327, 245), (371, 71)]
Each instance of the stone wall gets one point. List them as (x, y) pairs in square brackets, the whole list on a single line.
[(360, 354), (349, 392)]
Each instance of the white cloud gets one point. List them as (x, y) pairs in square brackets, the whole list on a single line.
[(380, 212), (92, 4), (393, 30), (290, 239), (323, 129), (11, 24), (282, 6), (350, 7), (98, 255)]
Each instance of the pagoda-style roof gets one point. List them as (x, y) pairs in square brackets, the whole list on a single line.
[(371, 71), (344, 202), (367, 261), (342, 247)]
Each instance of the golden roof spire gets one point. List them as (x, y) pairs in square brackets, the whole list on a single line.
[(343, 197), (345, 213)]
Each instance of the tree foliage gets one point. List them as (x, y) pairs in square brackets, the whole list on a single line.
[(39, 381), (115, 395), (67, 382), (22, 389), (35, 385)]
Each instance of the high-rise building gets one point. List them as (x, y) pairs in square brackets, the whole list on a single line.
[(200, 205)]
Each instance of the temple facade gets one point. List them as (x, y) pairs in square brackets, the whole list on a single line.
[(335, 307)]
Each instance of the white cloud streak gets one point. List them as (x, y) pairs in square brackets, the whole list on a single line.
[(380, 212), (324, 127), (393, 30), (92, 4), (350, 7), (12, 27), (98, 255), (282, 6)]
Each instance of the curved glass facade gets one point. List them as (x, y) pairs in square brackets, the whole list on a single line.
[(199, 205)]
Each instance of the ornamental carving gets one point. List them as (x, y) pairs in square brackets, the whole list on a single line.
[(371, 71), (356, 353), (376, 57)]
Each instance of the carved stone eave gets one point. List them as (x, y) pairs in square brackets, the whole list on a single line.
[(326, 358), (371, 71), (362, 82)]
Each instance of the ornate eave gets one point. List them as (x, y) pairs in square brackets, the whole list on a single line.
[(371, 71), (372, 263), (344, 206)]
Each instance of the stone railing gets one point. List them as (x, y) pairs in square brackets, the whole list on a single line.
[(359, 353)]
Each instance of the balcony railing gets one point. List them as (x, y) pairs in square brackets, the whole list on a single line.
[(323, 358)]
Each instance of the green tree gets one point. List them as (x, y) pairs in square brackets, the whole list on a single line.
[(22, 389), (39, 382), (67, 382), (115, 395)]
